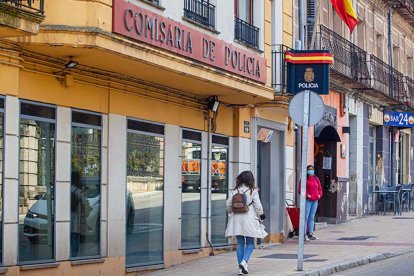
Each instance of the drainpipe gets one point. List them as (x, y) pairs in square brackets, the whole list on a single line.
[(298, 135), (391, 93), (301, 26), (209, 182)]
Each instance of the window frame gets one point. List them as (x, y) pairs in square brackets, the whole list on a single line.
[(46, 120), (183, 140), (3, 111), (72, 124), (227, 147), (128, 130)]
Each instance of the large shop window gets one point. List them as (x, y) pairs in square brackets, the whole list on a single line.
[(85, 190), (219, 188), (144, 194), (191, 190), (1, 175), (36, 182)]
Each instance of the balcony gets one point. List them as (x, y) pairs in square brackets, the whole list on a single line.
[(405, 8), (408, 97), (279, 68), (246, 33), (20, 17), (350, 61), (352, 69), (387, 80), (200, 12)]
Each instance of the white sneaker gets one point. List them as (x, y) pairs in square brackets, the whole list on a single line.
[(243, 267), (240, 272), (306, 238)]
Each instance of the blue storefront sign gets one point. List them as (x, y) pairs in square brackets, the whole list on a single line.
[(308, 70), (398, 119)]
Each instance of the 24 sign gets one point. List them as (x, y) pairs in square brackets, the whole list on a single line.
[(399, 119)]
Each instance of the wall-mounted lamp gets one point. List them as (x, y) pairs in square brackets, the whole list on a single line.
[(71, 64), (213, 103)]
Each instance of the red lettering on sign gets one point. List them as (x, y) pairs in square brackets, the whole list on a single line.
[(142, 25)]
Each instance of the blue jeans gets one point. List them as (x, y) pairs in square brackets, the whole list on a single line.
[(245, 246), (311, 207)]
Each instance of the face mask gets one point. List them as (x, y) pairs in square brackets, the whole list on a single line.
[(311, 172)]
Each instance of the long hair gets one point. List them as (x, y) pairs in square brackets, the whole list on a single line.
[(247, 179)]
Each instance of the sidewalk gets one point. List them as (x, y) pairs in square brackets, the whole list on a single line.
[(340, 247)]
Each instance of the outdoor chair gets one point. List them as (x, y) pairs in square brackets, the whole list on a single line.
[(406, 196), (387, 200), (399, 199)]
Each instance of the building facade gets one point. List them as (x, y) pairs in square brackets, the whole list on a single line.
[(372, 73), (124, 124)]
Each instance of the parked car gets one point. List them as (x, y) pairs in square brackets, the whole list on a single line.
[(36, 220)]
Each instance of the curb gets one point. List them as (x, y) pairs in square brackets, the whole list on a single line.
[(351, 263)]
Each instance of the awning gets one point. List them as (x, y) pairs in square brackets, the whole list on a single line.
[(327, 133)]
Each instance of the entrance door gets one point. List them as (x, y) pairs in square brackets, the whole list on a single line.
[(270, 176), (325, 166)]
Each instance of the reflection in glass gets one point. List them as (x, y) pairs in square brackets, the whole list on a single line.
[(36, 190), (219, 186), (1, 185), (85, 192), (144, 203), (190, 208)]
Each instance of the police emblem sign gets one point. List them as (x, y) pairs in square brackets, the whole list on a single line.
[(308, 70)]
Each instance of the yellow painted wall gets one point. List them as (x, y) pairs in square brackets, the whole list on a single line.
[(48, 89), (287, 22)]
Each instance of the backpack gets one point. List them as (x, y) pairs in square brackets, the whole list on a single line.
[(239, 203)]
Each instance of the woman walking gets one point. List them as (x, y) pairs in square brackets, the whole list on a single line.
[(313, 194), (245, 217)]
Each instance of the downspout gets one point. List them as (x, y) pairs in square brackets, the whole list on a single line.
[(391, 93), (209, 182)]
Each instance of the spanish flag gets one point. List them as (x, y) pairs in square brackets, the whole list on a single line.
[(346, 12)]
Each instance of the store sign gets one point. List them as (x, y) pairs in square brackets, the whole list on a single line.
[(308, 70), (399, 119), (142, 25)]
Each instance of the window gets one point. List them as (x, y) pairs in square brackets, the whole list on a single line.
[(361, 35), (243, 9), (191, 190), (379, 46), (1, 173), (85, 204), (244, 30), (200, 11), (144, 194), (396, 57), (219, 189), (36, 182), (410, 67)]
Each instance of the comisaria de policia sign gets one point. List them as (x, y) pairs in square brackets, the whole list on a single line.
[(308, 70), (139, 24)]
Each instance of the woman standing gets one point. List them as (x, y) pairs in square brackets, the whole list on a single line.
[(245, 217), (313, 194)]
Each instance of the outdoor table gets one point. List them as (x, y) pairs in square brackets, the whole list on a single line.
[(385, 192)]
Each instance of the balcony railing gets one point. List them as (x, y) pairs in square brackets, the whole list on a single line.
[(200, 11), (35, 6), (386, 79), (350, 61), (246, 33), (279, 68), (408, 98)]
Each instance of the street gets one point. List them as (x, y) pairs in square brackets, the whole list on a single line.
[(397, 266)]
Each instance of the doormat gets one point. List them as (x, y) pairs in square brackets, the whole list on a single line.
[(357, 238), (287, 256)]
